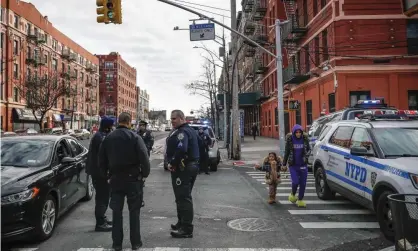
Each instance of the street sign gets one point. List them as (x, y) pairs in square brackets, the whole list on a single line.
[(199, 32)]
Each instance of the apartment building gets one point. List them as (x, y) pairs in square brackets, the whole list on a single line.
[(144, 101), (337, 52), (30, 44), (138, 103), (117, 86)]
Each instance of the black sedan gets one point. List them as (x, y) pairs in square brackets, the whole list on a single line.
[(42, 176)]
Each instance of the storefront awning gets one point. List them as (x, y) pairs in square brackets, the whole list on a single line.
[(25, 115), (244, 99)]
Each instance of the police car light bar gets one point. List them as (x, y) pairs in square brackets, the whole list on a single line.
[(374, 102)]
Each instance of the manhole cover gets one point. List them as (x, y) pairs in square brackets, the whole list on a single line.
[(252, 225)]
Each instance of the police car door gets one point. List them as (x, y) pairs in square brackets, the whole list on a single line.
[(338, 154), (357, 170)]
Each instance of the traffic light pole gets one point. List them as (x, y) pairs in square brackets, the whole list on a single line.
[(280, 101)]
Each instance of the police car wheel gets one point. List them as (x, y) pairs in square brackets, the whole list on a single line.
[(323, 191), (384, 216)]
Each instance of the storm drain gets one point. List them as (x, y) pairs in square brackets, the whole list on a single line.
[(252, 225)]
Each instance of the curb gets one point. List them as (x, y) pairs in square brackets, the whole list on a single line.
[(391, 248)]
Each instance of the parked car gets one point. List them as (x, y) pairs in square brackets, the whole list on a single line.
[(42, 176), (26, 131), (82, 134), (214, 153)]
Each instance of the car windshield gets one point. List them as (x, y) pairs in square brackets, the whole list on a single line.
[(206, 130), (397, 142), (78, 131), (25, 153)]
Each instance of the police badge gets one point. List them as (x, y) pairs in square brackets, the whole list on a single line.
[(373, 176), (180, 136)]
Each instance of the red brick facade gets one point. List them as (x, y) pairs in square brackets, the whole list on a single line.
[(21, 24), (117, 86), (349, 51)]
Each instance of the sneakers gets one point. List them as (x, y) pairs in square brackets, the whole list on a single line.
[(292, 198), (301, 203)]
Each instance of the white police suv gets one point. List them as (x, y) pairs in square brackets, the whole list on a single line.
[(349, 113), (366, 160)]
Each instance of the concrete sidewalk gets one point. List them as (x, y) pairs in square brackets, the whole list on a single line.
[(252, 151)]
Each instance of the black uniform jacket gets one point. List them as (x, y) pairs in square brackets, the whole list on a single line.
[(182, 144)]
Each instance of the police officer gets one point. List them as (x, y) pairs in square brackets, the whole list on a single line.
[(206, 141), (99, 181), (146, 135), (182, 156), (123, 158)]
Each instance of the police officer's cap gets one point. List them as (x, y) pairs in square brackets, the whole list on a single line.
[(143, 122), (106, 122)]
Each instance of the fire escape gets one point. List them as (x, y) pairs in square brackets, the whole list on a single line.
[(292, 32)]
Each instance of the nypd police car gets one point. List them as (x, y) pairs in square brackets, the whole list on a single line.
[(350, 113), (366, 160)]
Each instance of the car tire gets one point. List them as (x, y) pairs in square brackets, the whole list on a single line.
[(47, 217), (218, 160), (89, 189), (323, 191), (384, 216)]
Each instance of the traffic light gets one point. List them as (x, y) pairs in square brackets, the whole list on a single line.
[(109, 11)]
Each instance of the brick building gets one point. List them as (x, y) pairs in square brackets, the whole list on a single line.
[(27, 35), (336, 52), (117, 86)]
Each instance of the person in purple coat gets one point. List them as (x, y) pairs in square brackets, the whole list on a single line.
[(296, 157)]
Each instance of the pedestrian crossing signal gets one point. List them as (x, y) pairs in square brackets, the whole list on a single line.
[(294, 105), (109, 11)]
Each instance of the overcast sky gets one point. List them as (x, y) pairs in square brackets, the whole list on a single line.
[(165, 59)]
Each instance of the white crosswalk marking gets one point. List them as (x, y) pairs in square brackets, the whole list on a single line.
[(174, 249), (311, 217)]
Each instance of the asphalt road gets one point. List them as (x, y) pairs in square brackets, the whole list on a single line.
[(231, 211)]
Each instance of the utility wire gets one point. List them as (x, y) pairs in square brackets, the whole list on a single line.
[(207, 6)]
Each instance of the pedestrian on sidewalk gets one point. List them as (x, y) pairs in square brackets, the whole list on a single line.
[(254, 130), (124, 160), (183, 162), (99, 181), (271, 165), (296, 157)]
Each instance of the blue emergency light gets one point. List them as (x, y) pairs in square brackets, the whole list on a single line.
[(371, 102)]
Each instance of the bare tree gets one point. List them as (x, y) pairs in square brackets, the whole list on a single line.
[(207, 88), (43, 92)]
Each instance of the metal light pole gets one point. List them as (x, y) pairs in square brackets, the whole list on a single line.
[(237, 141), (280, 107)]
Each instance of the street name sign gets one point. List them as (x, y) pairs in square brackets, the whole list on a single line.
[(199, 32)]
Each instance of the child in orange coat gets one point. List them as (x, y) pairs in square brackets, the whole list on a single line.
[(271, 165)]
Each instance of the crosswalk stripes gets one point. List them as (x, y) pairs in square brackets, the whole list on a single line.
[(174, 249), (340, 213)]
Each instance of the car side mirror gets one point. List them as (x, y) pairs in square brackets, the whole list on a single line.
[(67, 160), (360, 151)]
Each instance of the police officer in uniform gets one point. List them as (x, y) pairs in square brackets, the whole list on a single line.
[(124, 159), (182, 156), (146, 135), (206, 141), (100, 181)]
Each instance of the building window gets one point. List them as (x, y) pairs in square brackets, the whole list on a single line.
[(358, 95), (15, 47), (276, 118), (309, 112), (412, 36), (325, 53), (15, 94), (315, 7), (109, 65), (16, 71), (323, 3), (331, 102), (316, 45), (413, 100), (298, 117), (2, 40), (109, 76), (16, 22)]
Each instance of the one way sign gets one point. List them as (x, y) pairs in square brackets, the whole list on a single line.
[(199, 32)]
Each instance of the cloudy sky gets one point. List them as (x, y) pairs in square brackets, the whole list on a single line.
[(165, 59)]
